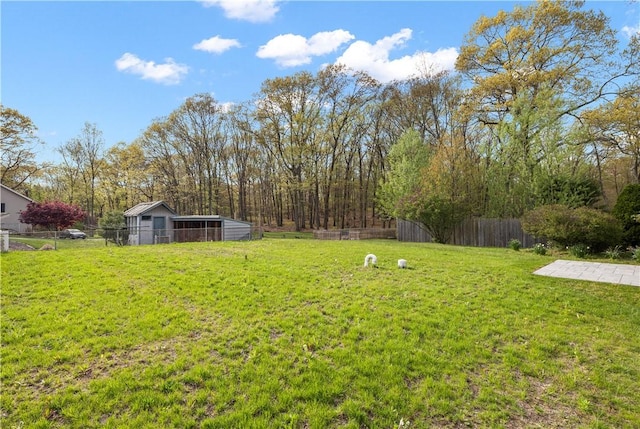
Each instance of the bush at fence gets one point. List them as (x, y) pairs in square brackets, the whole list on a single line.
[(568, 227)]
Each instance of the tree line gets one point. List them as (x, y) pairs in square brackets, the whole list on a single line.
[(543, 108)]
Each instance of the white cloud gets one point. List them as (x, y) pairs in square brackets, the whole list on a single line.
[(374, 59), (216, 45), (226, 106), (290, 50), (169, 73), (631, 31), (246, 10)]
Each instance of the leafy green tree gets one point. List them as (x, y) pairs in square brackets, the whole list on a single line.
[(532, 71), (114, 227), (18, 141), (165, 166), (289, 112), (427, 104), (83, 165), (547, 45), (195, 131), (565, 190), (616, 125), (407, 159), (243, 166), (439, 216), (126, 177), (347, 95), (451, 187), (409, 193), (627, 211)]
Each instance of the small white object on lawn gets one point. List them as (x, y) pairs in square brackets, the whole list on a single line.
[(402, 263), (370, 259)]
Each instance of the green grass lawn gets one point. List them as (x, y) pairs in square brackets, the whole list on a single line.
[(298, 334), (288, 234), (60, 244)]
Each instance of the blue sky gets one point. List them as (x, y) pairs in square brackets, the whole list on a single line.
[(120, 64)]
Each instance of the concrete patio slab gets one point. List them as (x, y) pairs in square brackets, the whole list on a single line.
[(593, 271)]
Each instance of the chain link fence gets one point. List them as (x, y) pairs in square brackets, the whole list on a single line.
[(53, 240)]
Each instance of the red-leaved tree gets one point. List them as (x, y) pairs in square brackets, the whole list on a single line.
[(52, 214)]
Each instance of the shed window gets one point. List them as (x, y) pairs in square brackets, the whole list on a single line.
[(2, 208), (146, 217)]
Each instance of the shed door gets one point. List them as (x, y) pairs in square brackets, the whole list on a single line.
[(159, 225)]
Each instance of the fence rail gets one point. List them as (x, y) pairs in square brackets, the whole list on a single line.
[(187, 235), (132, 236), (477, 232), (354, 234)]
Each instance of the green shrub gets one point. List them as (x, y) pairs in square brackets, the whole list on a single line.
[(440, 216), (613, 252), (627, 210), (551, 222), (515, 244), (579, 250), (114, 227), (568, 227), (539, 249), (599, 230)]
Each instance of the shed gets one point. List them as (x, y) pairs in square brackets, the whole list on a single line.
[(11, 204), (210, 228), (149, 223), (156, 222)]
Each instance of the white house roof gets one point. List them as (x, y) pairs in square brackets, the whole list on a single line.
[(143, 208), (15, 192)]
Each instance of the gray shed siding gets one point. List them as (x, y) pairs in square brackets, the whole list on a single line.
[(141, 226), (235, 230), (140, 222)]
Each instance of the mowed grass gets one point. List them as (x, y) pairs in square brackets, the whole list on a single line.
[(298, 334), (61, 244)]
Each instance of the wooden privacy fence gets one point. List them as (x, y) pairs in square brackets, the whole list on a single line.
[(354, 234), (478, 232)]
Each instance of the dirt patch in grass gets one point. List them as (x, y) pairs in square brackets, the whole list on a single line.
[(53, 415), (16, 245), (159, 352), (46, 381), (541, 409), (544, 403)]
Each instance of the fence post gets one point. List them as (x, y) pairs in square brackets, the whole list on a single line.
[(4, 241)]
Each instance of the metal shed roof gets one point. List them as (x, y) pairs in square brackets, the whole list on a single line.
[(206, 217), (198, 217), (142, 208)]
